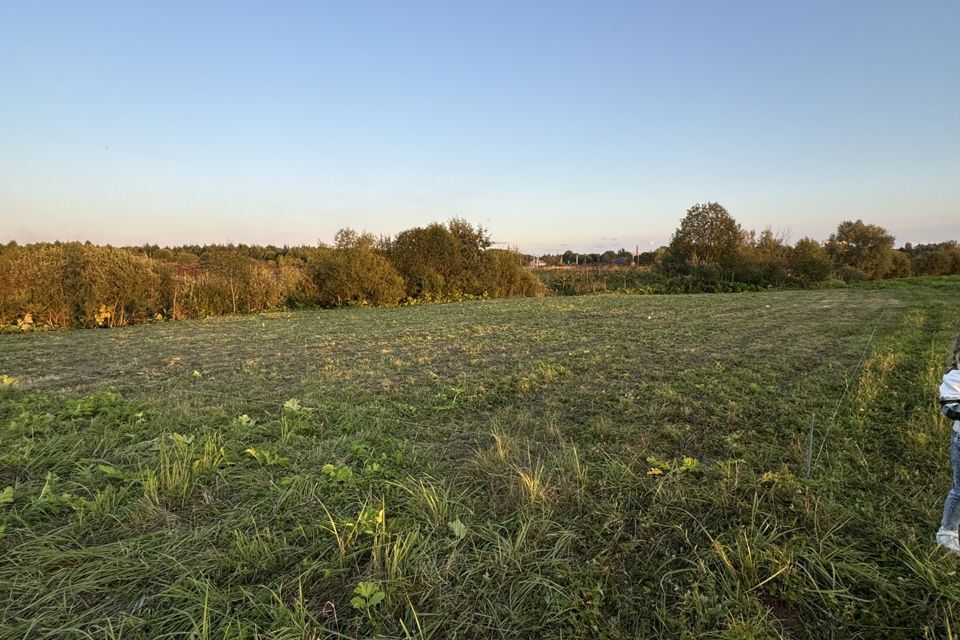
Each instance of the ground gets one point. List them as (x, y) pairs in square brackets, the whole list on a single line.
[(596, 466)]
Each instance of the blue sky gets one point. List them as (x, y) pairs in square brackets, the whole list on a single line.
[(554, 124)]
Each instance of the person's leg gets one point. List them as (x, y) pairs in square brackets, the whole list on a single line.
[(947, 536), (951, 508)]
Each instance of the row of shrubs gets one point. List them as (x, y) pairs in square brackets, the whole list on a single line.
[(575, 281), (85, 285)]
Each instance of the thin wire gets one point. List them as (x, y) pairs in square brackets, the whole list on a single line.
[(846, 389)]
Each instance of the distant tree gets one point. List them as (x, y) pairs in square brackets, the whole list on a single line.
[(865, 247), (470, 242), (900, 266), (763, 259), (934, 259), (185, 258), (771, 248), (427, 258), (808, 261), (708, 235), (472, 239), (651, 258), (441, 261)]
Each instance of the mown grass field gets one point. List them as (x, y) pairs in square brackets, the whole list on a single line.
[(602, 466)]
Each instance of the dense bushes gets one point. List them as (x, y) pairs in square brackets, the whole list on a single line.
[(33, 284), (448, 262), (507, 277), (84, 285), (808, 262), (353, 272), (940, 259), (642, 280), (76, 285)]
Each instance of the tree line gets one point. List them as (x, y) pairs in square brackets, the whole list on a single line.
[(76, 284), (710, 251), (84, 285)]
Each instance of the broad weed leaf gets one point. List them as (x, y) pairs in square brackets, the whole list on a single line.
[(458, 528)]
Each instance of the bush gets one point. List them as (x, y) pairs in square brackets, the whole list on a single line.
[(117, 287), (851, 274), (353, 272), (31, 282), (505, 276), (809, 262), (899, 266), (447, 262), (72, 284), (934, 259)]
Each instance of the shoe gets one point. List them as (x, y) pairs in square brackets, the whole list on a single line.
[(949, 540)]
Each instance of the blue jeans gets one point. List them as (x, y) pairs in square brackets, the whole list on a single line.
[(951, 509)]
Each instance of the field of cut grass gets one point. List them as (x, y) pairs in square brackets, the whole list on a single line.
[(587, 467)]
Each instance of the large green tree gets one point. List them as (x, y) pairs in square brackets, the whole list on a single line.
[(865, 247), (708, 236), (442, 261), (428, 260)]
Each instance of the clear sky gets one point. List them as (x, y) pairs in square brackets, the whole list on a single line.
[(555, 124)]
